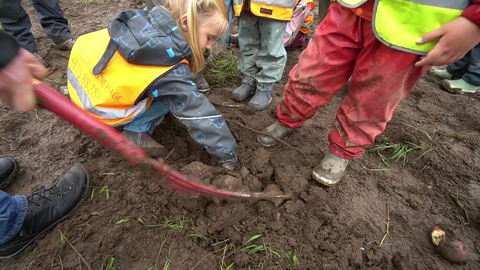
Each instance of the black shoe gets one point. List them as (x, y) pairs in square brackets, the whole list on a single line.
[(8, 170), (47, 207)]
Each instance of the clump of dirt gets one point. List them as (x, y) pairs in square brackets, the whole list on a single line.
[(229, 183), (200, 171), (318, 228)]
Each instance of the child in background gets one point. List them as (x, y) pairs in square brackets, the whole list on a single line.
[(382, 49), (143, 66), (261, 28), (299, 25), (297, 28), (463, 76)]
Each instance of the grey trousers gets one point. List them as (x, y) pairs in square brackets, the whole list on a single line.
[(16, 22)]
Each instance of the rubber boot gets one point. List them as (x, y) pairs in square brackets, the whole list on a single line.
[(41, 60), (147, 143), (261, 100), (234, 39), (440, 73), (459, 86), (243, 92), (331, 169), (274, 131), (202, 84)]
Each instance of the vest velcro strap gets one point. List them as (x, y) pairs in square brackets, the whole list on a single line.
[(106, 57)]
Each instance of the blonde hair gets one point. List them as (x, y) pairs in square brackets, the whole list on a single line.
[(199, 13)]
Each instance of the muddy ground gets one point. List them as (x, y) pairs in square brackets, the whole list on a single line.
[(144, 226)]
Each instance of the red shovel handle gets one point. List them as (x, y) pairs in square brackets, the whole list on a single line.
[(55, 102)]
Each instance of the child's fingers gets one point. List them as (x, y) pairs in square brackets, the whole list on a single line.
[(431, 57), (431, 36)]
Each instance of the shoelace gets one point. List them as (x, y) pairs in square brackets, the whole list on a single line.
[(42, 193)]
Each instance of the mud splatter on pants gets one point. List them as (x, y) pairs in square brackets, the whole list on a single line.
[(344, 45), (262, 54)]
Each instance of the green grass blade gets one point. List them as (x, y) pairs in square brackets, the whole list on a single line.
[(110, 263), (253, 238)]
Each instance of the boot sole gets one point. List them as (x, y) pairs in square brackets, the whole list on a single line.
[(82, 200), (322, 180), (12, 176), (204, 91), (267, 145), (238, 99), (455, 90)]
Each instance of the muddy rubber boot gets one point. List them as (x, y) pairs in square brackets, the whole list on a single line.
[(202, 84), (331, 169), (261, 100), (243, 92), (41, 60), (147, 143), (67, 45), (440, 73), (459, 86), (8, 170), (47, 207), (234, 39), (275, 131)]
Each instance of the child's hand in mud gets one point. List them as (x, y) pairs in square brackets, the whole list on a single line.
[(456, 38), (16, 81)]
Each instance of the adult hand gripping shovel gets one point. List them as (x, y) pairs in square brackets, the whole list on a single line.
[(60, 105)]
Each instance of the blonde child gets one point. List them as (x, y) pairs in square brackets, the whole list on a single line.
[(142, 67)]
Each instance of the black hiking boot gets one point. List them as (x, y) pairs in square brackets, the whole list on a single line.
[(47, 207), (8, 170), (275, 131)]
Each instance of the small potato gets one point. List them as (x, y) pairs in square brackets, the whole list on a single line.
[(453, 251)]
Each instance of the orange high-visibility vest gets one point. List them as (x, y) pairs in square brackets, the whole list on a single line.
[(281, 10), (113, 95)]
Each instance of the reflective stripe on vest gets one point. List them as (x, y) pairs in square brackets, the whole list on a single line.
[(112, 96), (351, 3), (280, 10), (399, 23)]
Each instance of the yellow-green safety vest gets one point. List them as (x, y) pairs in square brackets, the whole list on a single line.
[(400, 23)]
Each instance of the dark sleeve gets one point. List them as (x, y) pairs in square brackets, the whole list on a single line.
[(178, 91), (8, 48)]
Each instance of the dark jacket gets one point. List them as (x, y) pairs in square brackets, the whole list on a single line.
[(8, 48)]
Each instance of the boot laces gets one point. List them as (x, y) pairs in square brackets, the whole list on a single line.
[(43, 195)]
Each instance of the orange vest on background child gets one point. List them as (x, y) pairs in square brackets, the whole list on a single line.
[(280, 10)]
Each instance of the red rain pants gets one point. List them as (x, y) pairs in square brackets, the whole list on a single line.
[(344, 45)]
